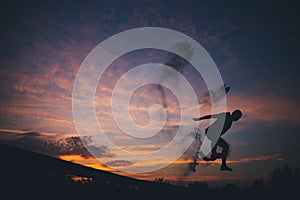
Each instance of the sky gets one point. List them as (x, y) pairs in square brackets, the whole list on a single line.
[(254, 44)]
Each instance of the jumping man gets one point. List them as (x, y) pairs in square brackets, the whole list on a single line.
[(229, 118)]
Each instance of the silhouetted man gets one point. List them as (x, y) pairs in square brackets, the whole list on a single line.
[(229, 118)]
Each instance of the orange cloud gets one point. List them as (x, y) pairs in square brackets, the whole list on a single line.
[(89, 162)]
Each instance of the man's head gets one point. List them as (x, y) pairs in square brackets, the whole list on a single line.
[(236, 115)]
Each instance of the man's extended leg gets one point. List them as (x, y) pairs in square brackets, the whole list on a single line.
[(214, 154), (225, 147)]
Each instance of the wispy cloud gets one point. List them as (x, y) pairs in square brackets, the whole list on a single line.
[(265, 108)]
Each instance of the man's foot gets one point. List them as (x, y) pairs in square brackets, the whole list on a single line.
[(206, 158), (225, 168)]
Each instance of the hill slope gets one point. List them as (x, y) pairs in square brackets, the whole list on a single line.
[(33, 174)]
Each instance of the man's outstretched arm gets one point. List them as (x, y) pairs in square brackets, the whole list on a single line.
[(201, 118), (209, 116)]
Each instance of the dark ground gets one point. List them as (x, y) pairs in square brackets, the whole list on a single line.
[(29, 175)]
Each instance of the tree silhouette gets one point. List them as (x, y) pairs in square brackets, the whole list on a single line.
[(161, 180), (284, 178)]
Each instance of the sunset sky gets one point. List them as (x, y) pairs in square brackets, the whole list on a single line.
[(255, 46)]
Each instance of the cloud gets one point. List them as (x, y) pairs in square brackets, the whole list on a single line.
[(264, 108), (101, 151), (119, 163), (54, 146), (89, 162), (74, 145)]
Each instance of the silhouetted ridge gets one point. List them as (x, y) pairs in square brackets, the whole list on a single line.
[(31, 173)]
